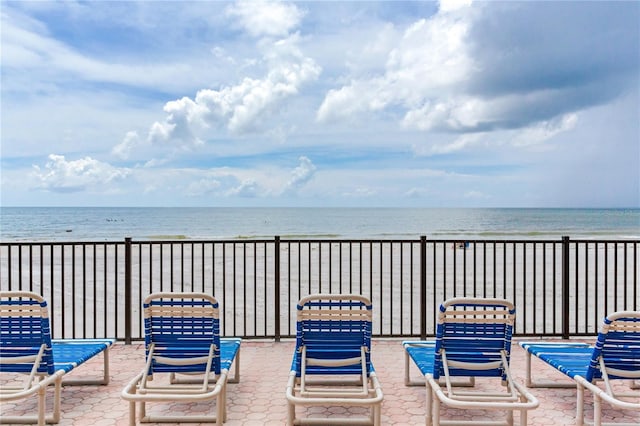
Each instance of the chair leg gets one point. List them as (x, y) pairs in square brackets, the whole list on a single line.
[(436, 412), (42, 403), (132, 413), (429, 405), (143, 410), (579, 405), (597, 410), (224, 404), (376, 414), (291, 414), (56, 400), (220, 411), (523, 417)]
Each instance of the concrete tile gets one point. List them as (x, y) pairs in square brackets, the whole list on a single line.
[(259, 398)]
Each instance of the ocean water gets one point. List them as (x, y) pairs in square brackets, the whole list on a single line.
[(116, 223)]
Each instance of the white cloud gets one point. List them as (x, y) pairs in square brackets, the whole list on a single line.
[(265, 18), (452, 5), (247, 188), (300, 175), (250, 105), (543, 131), (530, 138), (240, 109), (123, 150), (455, 113), (460, 142), (60, 175), (424, 67), (203, 186)]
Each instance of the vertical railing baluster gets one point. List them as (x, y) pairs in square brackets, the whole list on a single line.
[(30, 267), (635, 276), (524, 285), (95, 290), (596, 313), (84, 290), (625, 278), (423, 286), (544, 288), (586, 287), (565, 287), (127, 291), (606, 276), (276, 268), (576, 286), (105, 299), (555, 287)]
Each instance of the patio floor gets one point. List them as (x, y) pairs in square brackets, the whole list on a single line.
[(259, 398)]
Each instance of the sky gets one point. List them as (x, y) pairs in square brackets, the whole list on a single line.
[(320, 104)]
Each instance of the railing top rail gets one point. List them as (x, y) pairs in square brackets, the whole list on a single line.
[(320, 240)]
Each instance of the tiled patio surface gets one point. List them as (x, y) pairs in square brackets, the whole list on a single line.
[(259, 398)]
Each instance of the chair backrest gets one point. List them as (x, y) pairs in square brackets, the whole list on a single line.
[(182, 325), (334, 326), (24, 328), (473, 330), (618, 344)]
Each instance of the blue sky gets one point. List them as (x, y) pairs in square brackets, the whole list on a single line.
[(256, 103)]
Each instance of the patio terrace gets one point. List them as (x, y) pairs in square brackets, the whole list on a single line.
[(259, 398)]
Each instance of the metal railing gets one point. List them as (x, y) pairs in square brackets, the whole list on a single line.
[(95, 289)]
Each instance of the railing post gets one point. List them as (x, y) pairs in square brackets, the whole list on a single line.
[(565, 287), (423, 287), (276, 286), (127, 290)]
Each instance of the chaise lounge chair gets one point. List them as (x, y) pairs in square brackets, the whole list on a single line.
[(616, 355), (332, 359), (26, 347), (473, 340), (182, 337)]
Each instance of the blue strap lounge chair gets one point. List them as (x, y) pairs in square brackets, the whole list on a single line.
[(26, 348), (473, 340), (182, 339), (332, 359), (615, 356)]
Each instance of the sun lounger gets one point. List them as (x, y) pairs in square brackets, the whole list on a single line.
[(615, 356), (26, 347), (473, 340), (182, 337), (332, 359)]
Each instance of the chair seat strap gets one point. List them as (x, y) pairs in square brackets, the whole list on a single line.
[(181, 361), (474, 365), (333, 362), (623, 373)]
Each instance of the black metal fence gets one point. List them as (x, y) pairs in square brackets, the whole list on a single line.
[(561, 287)]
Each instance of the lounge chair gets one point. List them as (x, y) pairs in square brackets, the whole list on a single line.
[(182, 337), (26, 347), (473, 340), (615, 355), (332, 359)]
